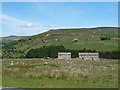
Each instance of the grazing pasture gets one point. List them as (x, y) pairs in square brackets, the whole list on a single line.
[(75, 73)]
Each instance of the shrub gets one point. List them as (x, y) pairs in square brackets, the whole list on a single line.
[(104, 38), (45, 51)]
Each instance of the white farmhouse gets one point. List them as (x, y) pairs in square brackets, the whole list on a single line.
[(64, 55), (89, 56)]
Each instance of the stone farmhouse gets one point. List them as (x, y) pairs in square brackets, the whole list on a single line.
[(64, 55), (82, 56), (89, 56)]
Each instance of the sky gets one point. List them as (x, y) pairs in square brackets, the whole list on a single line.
[(30, 18)]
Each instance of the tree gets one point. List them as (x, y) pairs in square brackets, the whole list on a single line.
[(45, 51), (104, 38)]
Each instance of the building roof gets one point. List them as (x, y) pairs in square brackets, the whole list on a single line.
[(64, 52), (88, 53)]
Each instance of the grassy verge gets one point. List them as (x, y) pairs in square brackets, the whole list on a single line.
[(60, 73)]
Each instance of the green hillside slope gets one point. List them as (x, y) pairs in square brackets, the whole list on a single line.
[(88, 38), (5, 40)]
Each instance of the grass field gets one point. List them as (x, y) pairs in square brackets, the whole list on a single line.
[(32, 73)]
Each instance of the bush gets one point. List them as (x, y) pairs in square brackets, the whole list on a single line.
[(45, 51), (104, 38), (110, 55)]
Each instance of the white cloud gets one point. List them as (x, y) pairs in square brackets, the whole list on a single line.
[(30, 24), (15, 26)]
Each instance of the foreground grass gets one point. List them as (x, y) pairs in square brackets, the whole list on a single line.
[(33, 73)]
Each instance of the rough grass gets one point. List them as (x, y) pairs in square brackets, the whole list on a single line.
[(32, 73)]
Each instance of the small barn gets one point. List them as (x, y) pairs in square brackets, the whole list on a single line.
[(89, 56), (64, 55)]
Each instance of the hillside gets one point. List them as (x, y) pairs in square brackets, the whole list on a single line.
[(5, 40), (88, 38)]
